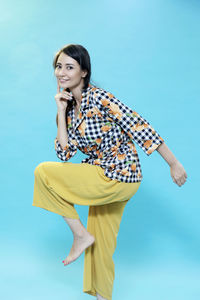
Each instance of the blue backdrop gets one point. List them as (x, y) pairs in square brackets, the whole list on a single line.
[(147, 54)]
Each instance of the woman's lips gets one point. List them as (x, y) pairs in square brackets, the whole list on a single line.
[(63, 80)]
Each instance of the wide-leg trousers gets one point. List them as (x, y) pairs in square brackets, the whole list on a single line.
[(59, 186)]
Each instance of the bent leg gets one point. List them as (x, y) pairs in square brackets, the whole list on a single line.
[(99, 270), (47, 197), (61, 185)]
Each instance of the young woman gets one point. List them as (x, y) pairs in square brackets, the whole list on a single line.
[(94, 121)]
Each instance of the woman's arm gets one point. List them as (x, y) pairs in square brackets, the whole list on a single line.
[(64, 148), (61, 131), (177, 171)]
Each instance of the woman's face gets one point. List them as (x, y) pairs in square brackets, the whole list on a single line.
[(69, 73)]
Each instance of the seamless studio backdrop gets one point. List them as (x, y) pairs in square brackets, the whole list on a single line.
[(147, 54)]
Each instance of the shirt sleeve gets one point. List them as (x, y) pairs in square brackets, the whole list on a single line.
[(65, 154), (131, 122)]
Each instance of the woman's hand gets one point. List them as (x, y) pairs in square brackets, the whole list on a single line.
[(62, 98), (178, 173)]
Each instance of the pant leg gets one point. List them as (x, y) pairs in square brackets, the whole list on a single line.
[(58, 186), (99, 270), (46, 197)]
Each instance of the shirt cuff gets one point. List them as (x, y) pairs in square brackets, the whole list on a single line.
[(151, 147), (58, 145)]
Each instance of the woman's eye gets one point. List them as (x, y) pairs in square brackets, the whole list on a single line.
[(68, 67)]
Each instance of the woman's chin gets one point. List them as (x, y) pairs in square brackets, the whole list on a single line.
[(64, 86)]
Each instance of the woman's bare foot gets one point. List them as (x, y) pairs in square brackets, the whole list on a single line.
[(99, 297), (79, 245)]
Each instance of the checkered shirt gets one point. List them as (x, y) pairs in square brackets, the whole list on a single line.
[(106, 130)]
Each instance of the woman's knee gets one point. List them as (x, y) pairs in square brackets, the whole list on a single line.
[(39, 169)]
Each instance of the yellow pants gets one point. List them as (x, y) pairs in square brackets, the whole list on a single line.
[(60, 185)]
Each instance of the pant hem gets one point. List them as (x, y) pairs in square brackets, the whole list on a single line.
[(94, 291), (55, 212)]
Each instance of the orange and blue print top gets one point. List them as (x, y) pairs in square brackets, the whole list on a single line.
[(106, 130)]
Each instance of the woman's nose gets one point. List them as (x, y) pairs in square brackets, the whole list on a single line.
[(61, 72)]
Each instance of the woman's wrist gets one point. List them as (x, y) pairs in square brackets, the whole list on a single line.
[(166, 153), (173, 162), (61, 111)]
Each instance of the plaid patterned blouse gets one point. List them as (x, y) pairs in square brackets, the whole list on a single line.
[(105, 130)]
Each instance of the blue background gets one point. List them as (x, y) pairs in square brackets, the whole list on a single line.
[(147, 54)]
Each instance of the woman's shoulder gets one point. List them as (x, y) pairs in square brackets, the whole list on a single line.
[(97, 91)]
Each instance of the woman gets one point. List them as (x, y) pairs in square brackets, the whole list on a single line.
[(94, 121)]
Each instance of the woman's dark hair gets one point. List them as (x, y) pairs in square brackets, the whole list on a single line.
[(81, 55)]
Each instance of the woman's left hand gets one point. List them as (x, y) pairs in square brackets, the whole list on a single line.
[(178, 173)]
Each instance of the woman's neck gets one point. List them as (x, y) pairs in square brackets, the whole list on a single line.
[(77, 93)]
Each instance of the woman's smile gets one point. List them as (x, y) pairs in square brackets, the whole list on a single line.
[(63, 80)]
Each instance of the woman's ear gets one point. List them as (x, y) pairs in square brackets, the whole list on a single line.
[(84, 73)]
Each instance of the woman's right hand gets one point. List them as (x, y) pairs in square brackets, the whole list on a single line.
[(178, 173), (62, 98)]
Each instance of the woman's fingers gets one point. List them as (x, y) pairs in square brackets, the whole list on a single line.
[(67, 94), (181, 181), (58, 87), (178, 174), (63, 95)]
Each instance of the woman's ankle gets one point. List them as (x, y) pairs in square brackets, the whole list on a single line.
[(99, 297), (77, 228)]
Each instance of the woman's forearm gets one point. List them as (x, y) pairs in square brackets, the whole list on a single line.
[(166, 153), (62, 131)]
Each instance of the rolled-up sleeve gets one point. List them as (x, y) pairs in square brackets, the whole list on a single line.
[(65, 154), (131, 122)]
